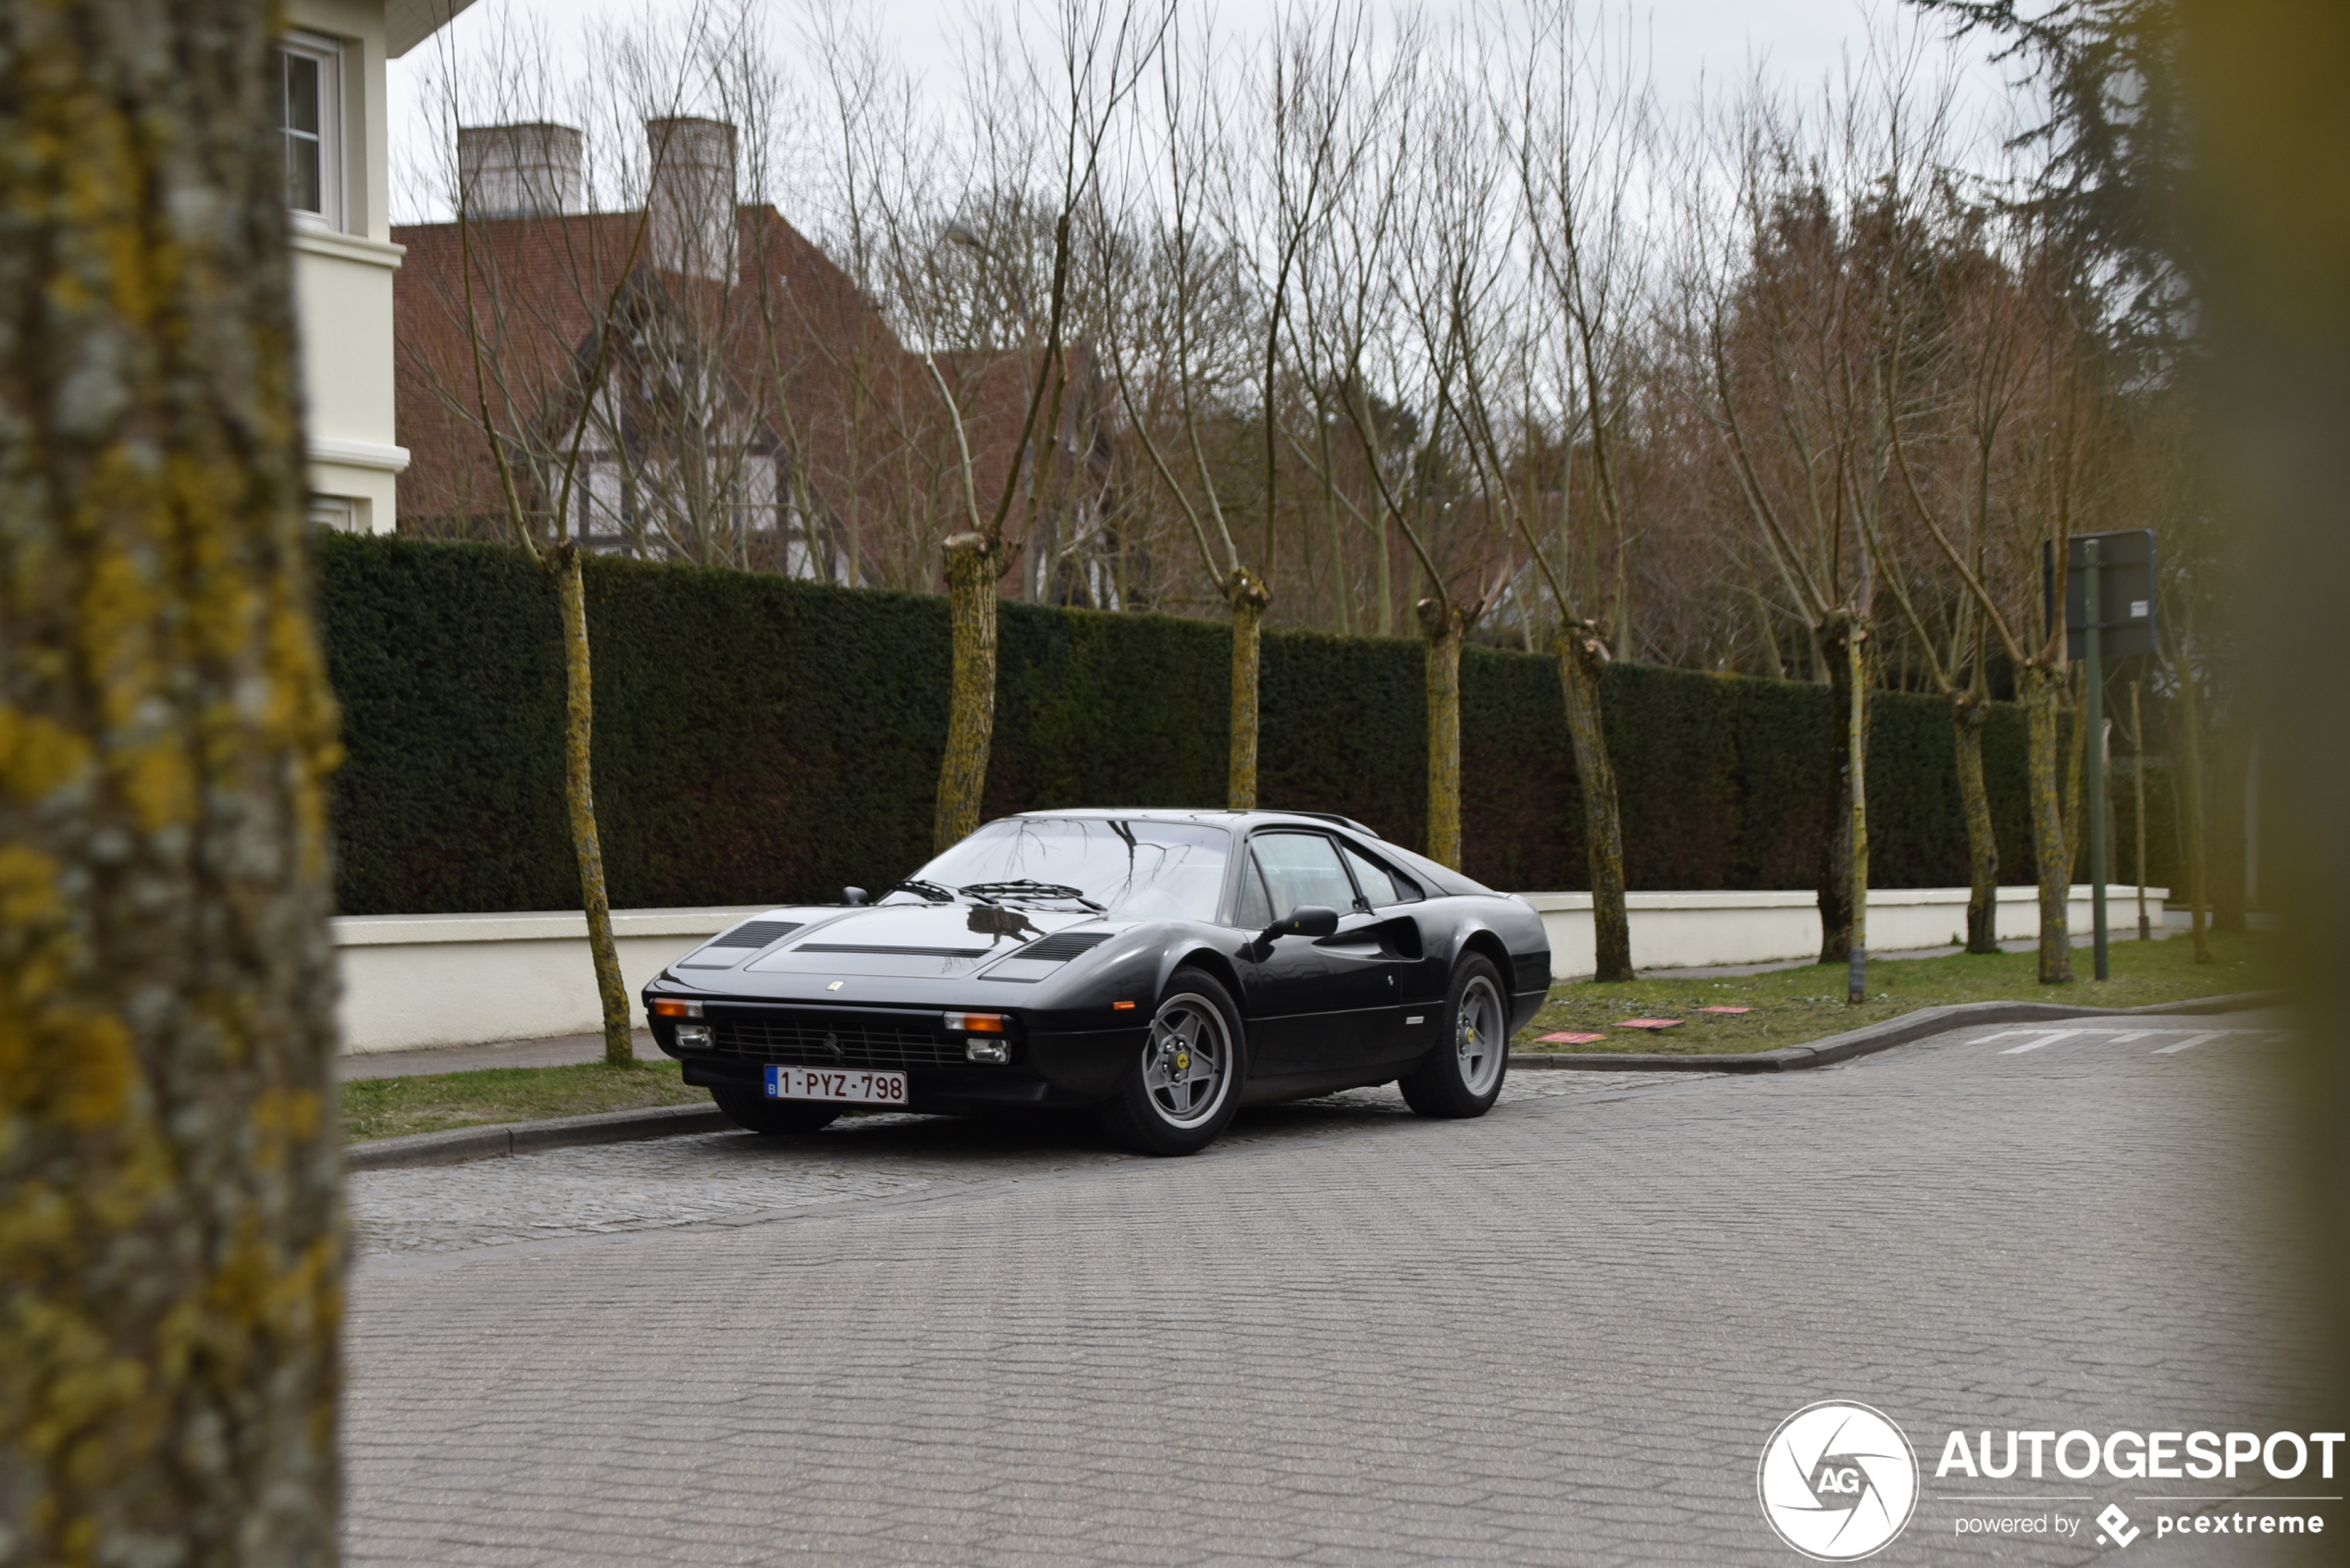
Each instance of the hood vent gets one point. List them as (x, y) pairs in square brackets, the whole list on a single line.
[(903, 952), (1067, 944), (757, 934)]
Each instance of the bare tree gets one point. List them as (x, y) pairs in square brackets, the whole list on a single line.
[(524, 349), (1102, 49), (1582, 131), (1789, 315)]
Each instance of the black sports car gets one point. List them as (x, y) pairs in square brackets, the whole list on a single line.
[(1159, 968)]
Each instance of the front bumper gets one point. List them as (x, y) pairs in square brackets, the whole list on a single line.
[(1048, 1067)]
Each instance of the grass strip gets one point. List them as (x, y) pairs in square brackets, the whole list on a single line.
[(1795, 1006), (389, 1107)]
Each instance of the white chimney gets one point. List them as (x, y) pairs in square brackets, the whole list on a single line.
[(689, 201), (518, 170)]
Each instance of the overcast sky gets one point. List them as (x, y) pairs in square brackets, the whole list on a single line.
[(1797, 42)]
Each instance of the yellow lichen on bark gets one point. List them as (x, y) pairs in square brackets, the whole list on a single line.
[(1247, 597), (1442, 626), (170, 1252), (970, 714)]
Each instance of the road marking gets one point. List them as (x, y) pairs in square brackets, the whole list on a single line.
[(2049, 1040), (2194, 1040)]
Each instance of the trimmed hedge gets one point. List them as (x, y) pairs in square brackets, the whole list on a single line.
[(759, 739)]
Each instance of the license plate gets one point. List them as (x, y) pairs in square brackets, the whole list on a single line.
[(849, 1088)]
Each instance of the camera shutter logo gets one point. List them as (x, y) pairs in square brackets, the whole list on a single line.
[(1838, 1481)]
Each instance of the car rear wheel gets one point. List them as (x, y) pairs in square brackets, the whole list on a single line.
[(754, 1111), (1184, 1085), (1463, 1076)]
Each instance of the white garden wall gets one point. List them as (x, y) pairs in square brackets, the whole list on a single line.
[(460, 979), (411, 981), (1690, 930)]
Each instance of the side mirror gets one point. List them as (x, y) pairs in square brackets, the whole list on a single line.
[(852, 896), (1307, 920)]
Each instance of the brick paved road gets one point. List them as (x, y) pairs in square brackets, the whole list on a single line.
[(1344, 1335)]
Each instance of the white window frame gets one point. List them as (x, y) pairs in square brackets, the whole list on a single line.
[(328, 54)]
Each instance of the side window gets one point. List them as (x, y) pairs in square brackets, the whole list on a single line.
[(1302, 868), (1255, 911), (1380, 887), (308, 102)]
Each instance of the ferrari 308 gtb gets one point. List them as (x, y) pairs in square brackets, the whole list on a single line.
[(1160, 968)]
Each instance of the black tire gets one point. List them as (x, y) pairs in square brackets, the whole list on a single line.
[(1463, 1076), (754, 1111), (1165, 1105)]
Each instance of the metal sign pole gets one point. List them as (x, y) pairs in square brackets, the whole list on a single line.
[(2095, 805)]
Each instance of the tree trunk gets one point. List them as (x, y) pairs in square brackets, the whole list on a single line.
[(2198, 862), (970, 718), (1836, 856), (1967, 719), (579, 800), (1442, 626), (1248, 597), (171, 1251), (1580, 656), (1855, 748), (2052, 851)]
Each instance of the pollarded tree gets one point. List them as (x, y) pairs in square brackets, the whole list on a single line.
[(172, 1253)]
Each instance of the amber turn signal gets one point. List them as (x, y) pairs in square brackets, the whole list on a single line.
[(1121, 1007), (976, 1023), (675, 1008)]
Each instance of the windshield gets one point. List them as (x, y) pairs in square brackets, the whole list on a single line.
[(1135, 870)]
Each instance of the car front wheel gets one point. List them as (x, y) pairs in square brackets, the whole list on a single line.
[(1184, 1085), (1463, 1076), (754, 1111)]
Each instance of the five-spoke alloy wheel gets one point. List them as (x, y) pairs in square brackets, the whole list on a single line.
[(1182, 1088), (1462, 1077)]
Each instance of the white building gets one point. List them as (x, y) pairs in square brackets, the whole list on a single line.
[(338, 188)]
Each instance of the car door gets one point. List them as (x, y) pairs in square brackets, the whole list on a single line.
[(1392, 903), (1326, 1005)]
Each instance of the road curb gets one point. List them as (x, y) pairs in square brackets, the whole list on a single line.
[(1879, 1036), (461, 1145)]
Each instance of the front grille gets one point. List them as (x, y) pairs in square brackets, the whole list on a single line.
[(817, 1040)]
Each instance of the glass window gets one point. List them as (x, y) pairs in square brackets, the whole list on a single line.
[(1256, 911), (1133, 870), (1302, 868), (308, 110), (1379, 887)]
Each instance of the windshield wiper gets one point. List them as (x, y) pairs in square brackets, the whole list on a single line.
[(929, 890), (1026, 888)]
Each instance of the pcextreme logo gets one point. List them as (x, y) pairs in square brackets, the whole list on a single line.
[(1839, 1481)]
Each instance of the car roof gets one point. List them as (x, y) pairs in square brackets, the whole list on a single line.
[(1218, 814), (1419, 866)]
